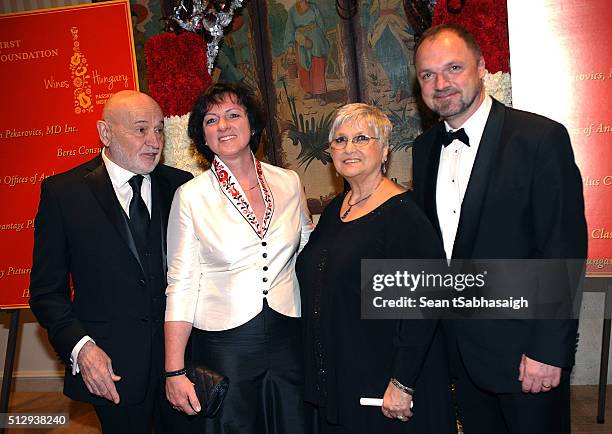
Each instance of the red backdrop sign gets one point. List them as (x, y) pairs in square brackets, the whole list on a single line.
[(561, 62), (57, 69)]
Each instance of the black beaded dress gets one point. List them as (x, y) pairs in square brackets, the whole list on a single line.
[(347, 358)]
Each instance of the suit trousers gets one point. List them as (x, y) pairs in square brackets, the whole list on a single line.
[(136, 419), (153, 414), (484, 412)]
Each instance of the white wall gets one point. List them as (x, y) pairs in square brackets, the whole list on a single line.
[(35, 359), (588, 355)]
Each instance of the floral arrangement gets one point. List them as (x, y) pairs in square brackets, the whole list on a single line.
[(487, 20), (176, 70), (499, 86), (179, 150)]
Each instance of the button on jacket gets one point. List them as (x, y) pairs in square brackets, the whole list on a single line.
[(222, 261)]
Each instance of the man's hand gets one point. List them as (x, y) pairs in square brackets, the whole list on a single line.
[(181, 394), (538, 377), (97, 372), (396, 404)]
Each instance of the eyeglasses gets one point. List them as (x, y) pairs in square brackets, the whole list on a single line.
[(360, 141)]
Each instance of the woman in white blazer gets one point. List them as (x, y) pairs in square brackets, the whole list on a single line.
[(233, 237)]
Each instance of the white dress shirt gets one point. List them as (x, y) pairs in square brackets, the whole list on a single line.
[(454, 170), (119, 178), (222, 262)]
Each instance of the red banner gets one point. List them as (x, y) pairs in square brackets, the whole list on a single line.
[(561, 62), (57, 69)]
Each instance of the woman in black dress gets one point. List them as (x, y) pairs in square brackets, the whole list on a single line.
[(347, 358)]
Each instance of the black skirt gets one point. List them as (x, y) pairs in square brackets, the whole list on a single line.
[(262, 360)]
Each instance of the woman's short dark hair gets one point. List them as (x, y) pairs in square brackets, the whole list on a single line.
[(215, 95)]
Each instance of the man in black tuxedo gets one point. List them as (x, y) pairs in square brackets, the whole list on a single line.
[(504, 186), (102, 225)]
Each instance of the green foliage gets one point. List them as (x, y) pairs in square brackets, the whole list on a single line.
[(310, 134), (312, 137), (405, 129)]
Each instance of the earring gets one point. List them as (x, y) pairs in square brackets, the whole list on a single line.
[(383, 167)]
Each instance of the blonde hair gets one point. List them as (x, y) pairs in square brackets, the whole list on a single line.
[(376, 120)]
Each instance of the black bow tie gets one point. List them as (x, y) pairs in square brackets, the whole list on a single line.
[(449, 136)]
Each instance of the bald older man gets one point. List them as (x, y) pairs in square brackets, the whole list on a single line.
[(103, 225)]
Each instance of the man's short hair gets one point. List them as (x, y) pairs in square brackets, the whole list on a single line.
[(462, 32)]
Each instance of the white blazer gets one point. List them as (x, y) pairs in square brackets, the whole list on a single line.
[(221, 262)]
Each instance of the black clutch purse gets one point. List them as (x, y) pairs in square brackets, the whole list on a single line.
[(210, 386)]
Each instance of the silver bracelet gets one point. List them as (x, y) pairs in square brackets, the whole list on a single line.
[(401, 387)]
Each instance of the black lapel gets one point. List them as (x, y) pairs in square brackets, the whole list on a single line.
[(100, 184), (471, 208), (160, 194), (431, 177)]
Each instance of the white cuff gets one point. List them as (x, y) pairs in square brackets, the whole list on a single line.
[(74, 356)]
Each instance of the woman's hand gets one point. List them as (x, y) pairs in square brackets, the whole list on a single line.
[(396, 404), (181, 394), (179, 390)]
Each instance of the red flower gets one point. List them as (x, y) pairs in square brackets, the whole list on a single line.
[(176, 70), (487, 20)]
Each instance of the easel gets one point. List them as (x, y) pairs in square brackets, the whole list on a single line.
[(605, 347), (9, 360)]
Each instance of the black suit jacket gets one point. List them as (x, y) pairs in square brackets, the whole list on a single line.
[(524, 200), (82, 235)]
